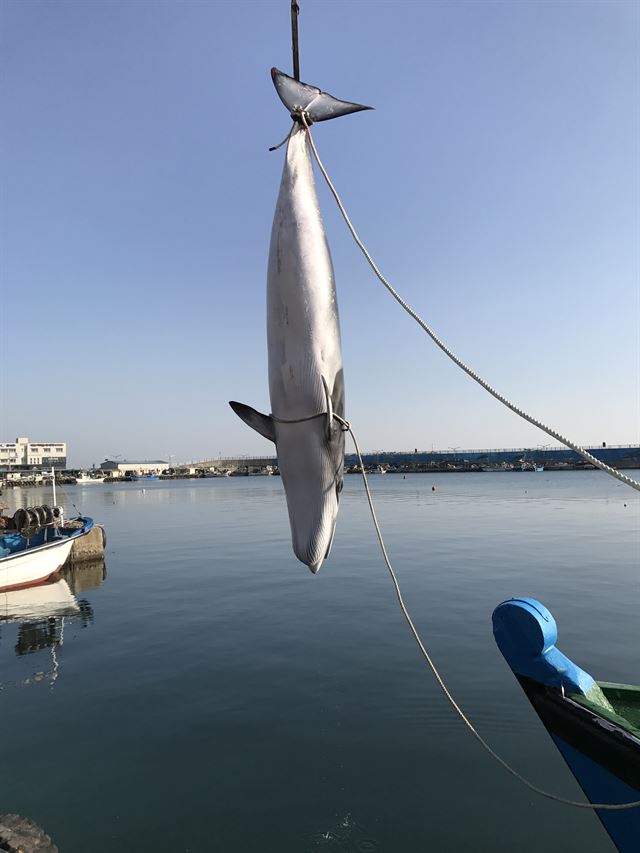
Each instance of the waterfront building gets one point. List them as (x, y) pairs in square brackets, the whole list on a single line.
[(122, 467), (23, 453)]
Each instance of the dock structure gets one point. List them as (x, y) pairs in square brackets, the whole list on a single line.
[(89, 548), (556, 458), (551, 458)]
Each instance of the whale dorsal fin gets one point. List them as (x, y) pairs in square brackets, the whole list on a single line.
[(301, 97), (256, 420)]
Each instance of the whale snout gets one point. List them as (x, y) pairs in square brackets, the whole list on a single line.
[(316, 566), (311, 469), (312, 536)]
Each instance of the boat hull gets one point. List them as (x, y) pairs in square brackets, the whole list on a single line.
[(36, 564), (33, 567), (604, 759)]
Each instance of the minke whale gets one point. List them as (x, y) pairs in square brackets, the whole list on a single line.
[(306, 382)]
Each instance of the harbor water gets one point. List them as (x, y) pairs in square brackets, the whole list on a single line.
[(213, 695)]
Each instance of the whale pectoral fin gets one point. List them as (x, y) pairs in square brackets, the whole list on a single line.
[(327, 395), (256, 420), (337, 396)]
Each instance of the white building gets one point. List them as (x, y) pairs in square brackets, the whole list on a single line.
[(120, 468), (40, 454)]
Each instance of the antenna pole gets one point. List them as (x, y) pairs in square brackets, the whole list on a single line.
[(295, 11)]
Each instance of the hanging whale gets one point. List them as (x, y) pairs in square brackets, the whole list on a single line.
[(306, 383)]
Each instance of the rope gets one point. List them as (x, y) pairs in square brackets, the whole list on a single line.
[(609, 806), (286, 139), (561, 438), (347, 427), (299, 420)]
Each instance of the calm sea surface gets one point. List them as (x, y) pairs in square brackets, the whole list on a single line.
[(213, 695)]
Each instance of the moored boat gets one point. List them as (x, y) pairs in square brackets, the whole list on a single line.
[(594, 724), (84, 480), (38, 547)]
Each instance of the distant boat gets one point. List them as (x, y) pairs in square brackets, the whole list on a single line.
[(136, 477), (84, 480), (539, 468), (36, 550), (524, 464), (595, 725)]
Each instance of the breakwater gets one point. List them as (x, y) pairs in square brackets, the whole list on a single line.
[(416, 461), (457, 459)]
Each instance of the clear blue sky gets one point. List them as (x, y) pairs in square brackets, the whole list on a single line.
[(497, 184)]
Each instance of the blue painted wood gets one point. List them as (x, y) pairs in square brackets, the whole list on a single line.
[(601, 786), (526, 633)]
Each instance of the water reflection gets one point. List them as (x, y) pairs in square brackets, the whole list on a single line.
[(41, 614), (38, 602), (82, 577)]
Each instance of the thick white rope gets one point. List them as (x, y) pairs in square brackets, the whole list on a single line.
[(610, 806), (561, 438)]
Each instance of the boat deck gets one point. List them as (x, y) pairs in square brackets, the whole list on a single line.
[(624, 701)]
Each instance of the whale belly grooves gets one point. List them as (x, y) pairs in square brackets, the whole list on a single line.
[(302, 314)]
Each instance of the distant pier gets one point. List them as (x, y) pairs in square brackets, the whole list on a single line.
[(417, 461), (401, 462)]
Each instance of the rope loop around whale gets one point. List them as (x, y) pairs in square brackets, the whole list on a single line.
[(345, 425), (628, 481)]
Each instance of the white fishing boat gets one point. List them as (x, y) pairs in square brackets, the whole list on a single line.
[(84, 480), (35, 552), (37, 543)]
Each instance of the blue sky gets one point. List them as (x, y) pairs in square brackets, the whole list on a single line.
[(497, 184)]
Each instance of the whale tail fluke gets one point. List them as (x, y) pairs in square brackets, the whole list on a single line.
[(302, 98)]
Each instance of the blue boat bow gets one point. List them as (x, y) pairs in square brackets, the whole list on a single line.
[(595, 725)]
